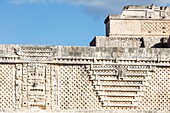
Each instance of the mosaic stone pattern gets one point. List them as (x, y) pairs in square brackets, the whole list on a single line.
[(128, 70), (7, 76)]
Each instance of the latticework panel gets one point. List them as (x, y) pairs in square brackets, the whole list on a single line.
[(157, 93), (119, 87), (76, 90), (156, 27), (149, 27), (7, 86)]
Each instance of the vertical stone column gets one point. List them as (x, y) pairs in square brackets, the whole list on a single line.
[(18, 87), (36, 86), (54, 81), (48, 87), (24, 88)]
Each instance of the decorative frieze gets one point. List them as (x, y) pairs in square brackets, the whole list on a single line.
[(114, 82)]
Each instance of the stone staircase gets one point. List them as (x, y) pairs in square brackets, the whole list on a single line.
[(119, 85)]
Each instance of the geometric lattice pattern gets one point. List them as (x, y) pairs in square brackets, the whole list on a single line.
[(113, 87), (109, 87), (76, 90), (156, 96), (7, 86), (119, 87), (157, 27), (149, 26)]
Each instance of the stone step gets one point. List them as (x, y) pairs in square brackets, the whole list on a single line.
[(136, 98), (96, 77), (100, 88), (104, 73), (114, 74), (103, 68), (128, 79), (114, 79), (108, 104), (145, 78), (127, 93), (139, 69), (102, 98), (117, 83), (119, 88), (137, 74), (115, 94)]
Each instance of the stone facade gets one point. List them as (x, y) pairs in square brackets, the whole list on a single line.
[(127, 70), (136, 24)]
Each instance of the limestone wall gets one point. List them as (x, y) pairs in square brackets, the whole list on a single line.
[(137, 27), (137, 20), (59, 78), (130, 41), (126, 71)]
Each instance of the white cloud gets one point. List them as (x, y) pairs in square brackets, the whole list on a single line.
[(97, 7)]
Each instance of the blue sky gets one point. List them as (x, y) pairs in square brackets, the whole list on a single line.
[(58, 22)]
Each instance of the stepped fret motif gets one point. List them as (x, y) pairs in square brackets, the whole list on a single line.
[(119, 86)]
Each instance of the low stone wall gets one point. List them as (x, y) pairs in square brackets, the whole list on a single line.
[(20, 53)]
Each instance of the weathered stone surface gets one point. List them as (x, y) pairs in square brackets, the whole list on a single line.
[(139, 21), (126, 71)]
